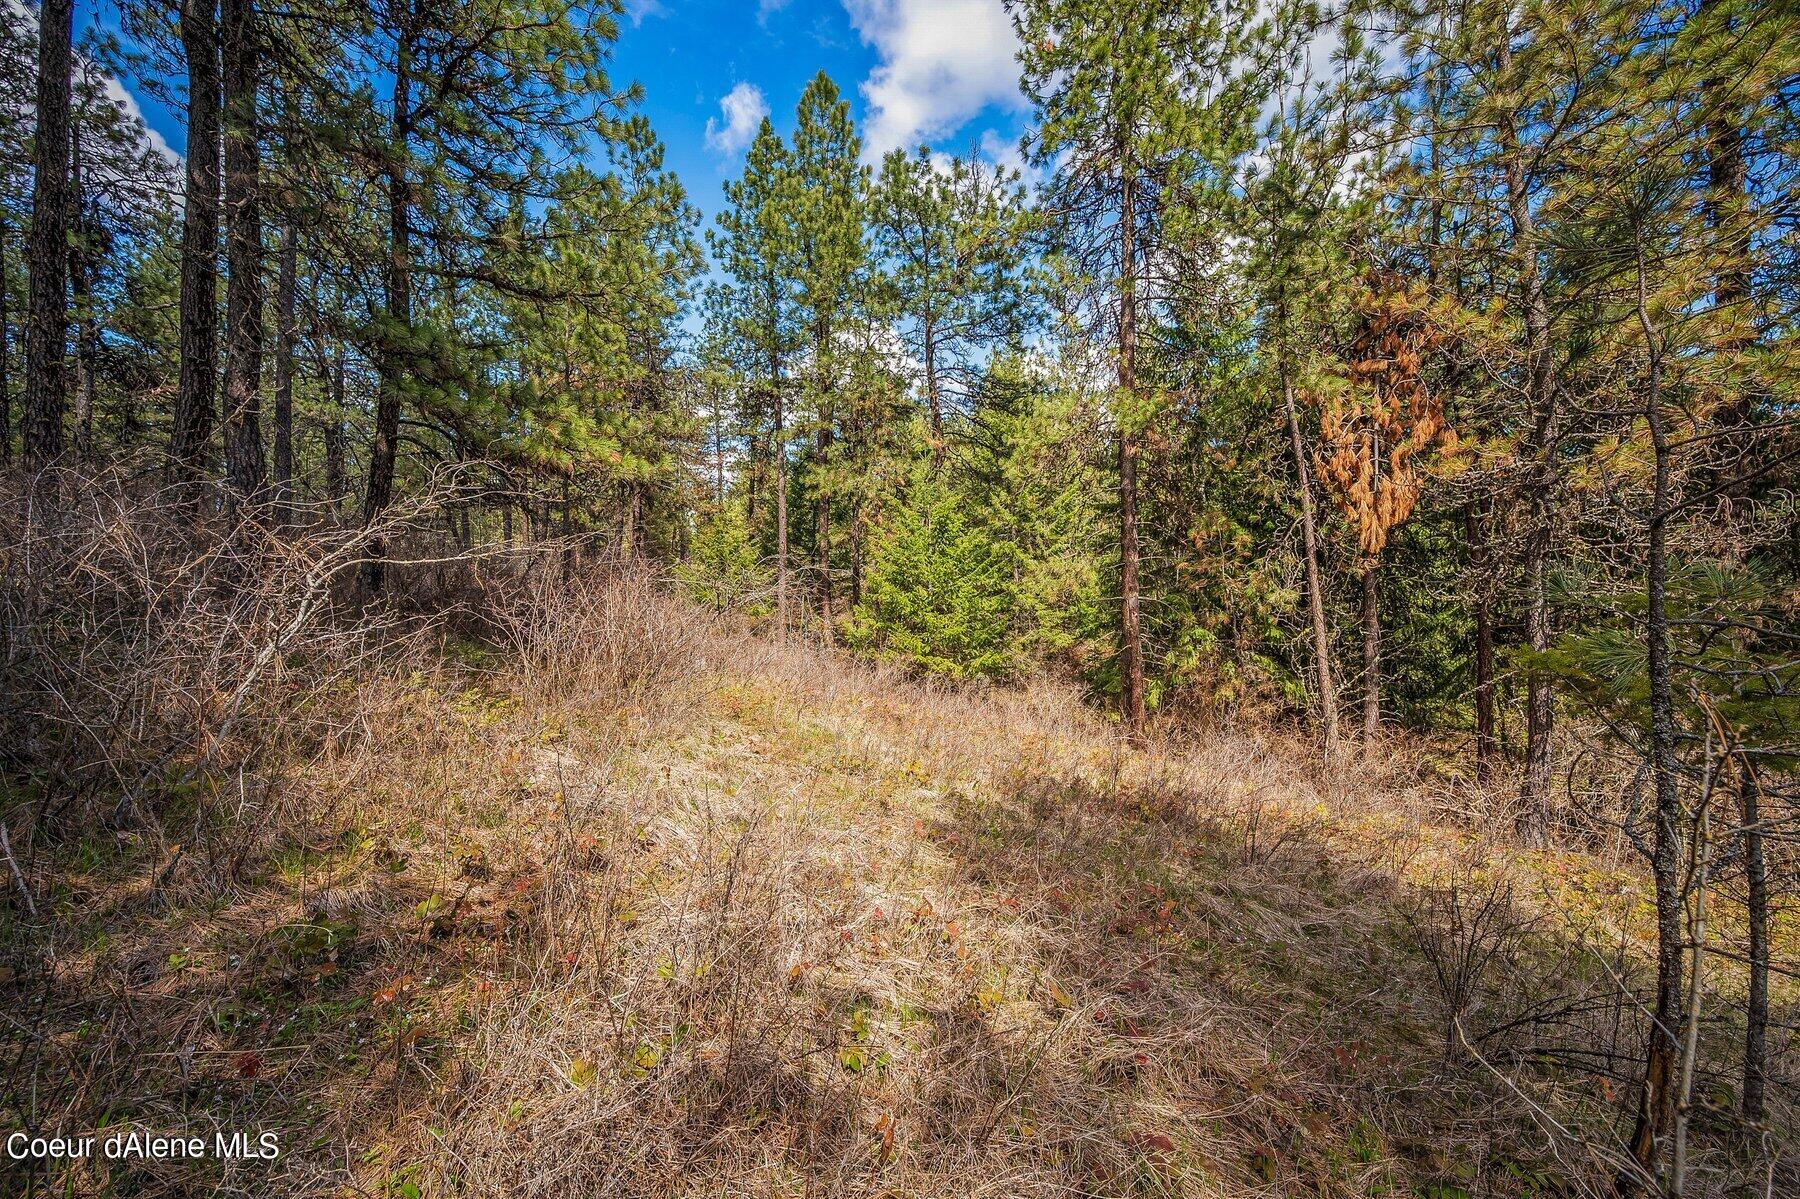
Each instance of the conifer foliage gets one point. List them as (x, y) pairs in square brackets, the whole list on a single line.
[(1462, 335)]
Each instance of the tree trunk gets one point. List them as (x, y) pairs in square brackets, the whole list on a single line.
[(822, 521), (83, 264), (568, 527), (47, 330), (196, 390), (932, 390), (1727, 212), (5, 351), (1656, 1101), (759, 466), (245, 468), (858, 534), (634, 519), (1540, 712), (781, 506), (1756, 1005), (1485, 743), (287, 281), (1726, 204), (383, 453), (1315, 594), (1131, 646), (335, 488), (1726, 181), (1371, 618), (718, 415)]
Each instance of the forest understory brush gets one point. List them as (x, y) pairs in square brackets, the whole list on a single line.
[(575, 889)]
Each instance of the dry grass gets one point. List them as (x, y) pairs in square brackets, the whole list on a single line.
[(621, 901)]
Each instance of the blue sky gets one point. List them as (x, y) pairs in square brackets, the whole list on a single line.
[(935, 70)]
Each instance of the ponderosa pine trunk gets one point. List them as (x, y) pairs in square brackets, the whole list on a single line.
[(1657, 1096), (1540, 712), (245, 468), (5, 351), (781, 514), (1486, 744), (83, 268), (47, 314), (332, 434), (397, 286), (197, 388), (821, 465), (1726, 203), (822, 521), (1539, 482), (1756, 1005), (1131, 645), (928, 342), (566, 521), (286, 284), (781, 497), (858, 531), (634, 519)]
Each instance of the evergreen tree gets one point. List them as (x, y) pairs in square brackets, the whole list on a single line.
[(724, 571), (956, 241), (938, 596), (1142, 111), (47, 315), (825, 195), (755, 246)]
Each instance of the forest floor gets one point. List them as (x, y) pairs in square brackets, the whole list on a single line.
[(763, 921)]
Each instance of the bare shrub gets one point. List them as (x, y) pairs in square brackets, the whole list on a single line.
[(610, 634), (1466, 926), (147, 640)]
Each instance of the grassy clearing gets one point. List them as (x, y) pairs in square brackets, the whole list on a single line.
[(639, 905)]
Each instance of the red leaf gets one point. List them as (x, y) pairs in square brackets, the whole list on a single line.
[(1154, 1140)]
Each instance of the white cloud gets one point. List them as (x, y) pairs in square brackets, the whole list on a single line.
[(133, 110), (744, 109), (942, 61), (637, 10), (26, 20)]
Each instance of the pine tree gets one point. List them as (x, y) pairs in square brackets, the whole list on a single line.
[(1142, 109), (825, 195), (196, 404), (724, 571), (1025, 473), (240, 55), (476, 94), (956, 241), (1376, 429), (1304, 212), (755, 246), (47, 317)]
